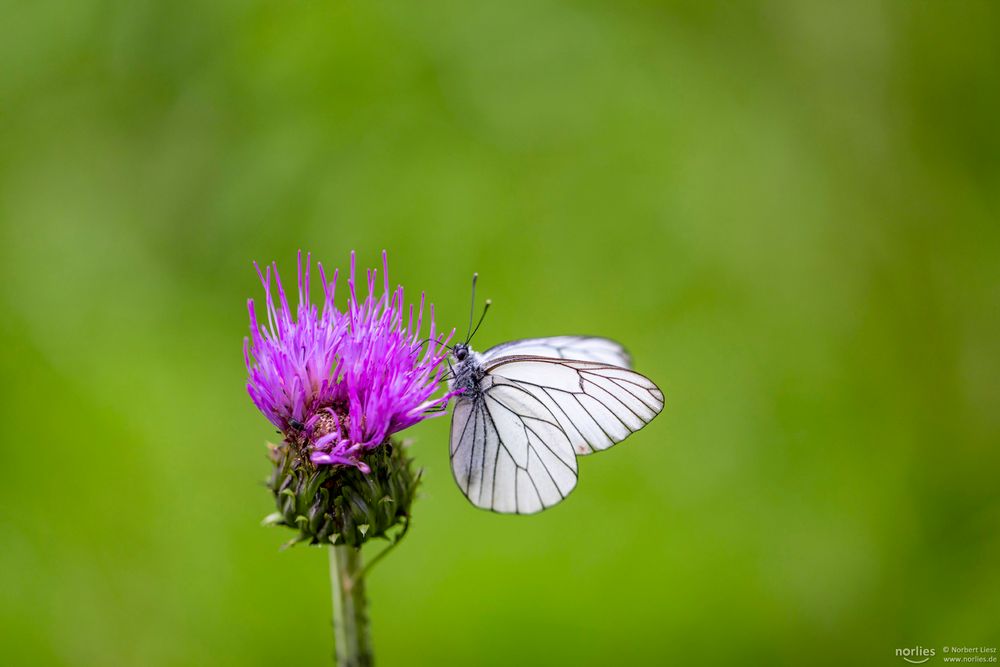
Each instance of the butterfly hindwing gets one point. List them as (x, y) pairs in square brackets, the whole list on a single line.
[(509, 453)]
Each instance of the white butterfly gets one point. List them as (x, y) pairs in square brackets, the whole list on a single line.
[(526, 410)]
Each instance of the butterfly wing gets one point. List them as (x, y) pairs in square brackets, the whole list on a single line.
[(579, 348), (508, 452), (596, 405), (514, 440)]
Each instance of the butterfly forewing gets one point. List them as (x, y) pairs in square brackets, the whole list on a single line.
[(578, 348), (509, 452), (596, 405)]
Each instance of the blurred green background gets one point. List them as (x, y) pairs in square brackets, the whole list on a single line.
[(787, 211)]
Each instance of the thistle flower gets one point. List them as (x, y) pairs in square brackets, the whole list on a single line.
[(340, 383), (337, 384)]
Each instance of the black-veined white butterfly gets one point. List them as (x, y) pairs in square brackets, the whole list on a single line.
[(527, 408)]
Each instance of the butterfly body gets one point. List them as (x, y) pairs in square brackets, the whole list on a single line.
[(526, 409), (468, 370)]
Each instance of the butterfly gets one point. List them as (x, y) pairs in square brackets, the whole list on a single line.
[(524, 411)]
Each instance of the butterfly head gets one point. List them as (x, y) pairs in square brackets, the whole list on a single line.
[(461, 351)]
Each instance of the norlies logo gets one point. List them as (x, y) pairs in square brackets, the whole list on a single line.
[(917, 655)]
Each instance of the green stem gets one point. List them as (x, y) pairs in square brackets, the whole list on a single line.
[(350, 617)]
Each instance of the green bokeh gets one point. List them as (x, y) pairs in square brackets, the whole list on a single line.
[(789, 213)]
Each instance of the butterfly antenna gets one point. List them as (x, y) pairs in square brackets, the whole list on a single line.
[(472, 308), (482, 317)]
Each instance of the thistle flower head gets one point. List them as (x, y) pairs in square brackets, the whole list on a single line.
[(338, 383)]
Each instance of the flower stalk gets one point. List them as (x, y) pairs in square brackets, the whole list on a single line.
[(352, 637)]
